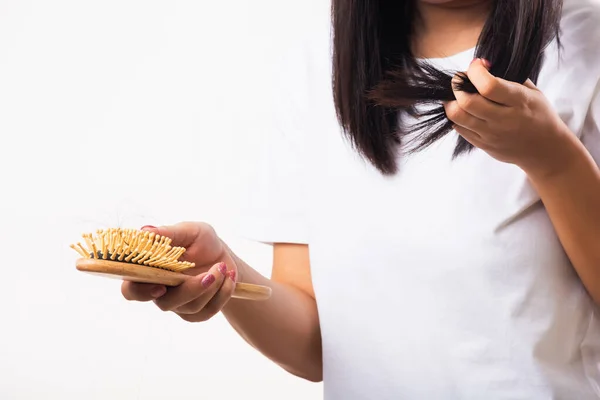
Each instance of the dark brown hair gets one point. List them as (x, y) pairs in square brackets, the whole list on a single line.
[(376, 77)]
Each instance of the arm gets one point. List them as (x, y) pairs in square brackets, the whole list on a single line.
[(572, 200), (515, 123), (286, 327)]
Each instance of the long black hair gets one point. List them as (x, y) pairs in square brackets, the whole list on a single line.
[(375, 74)]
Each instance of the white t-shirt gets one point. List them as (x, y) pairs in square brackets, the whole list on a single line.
[(447, 280)]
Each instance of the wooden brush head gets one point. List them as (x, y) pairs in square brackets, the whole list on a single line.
[(134, 247), (145, 257)]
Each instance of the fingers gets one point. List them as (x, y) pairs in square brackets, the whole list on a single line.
[(214, 305), (198, 299), (530, 85), (182, 234), (141, 291), (494, 89), (470, 136), (202, 244), (477, 105), (462, 118), (192, 295)]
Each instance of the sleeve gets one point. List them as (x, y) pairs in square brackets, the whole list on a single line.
[(274, 208), (576, 72), (590, 135)]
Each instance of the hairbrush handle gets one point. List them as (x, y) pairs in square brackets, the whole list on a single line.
[(145, 274)]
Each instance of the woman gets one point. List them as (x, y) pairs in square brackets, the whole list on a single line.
[(435, 273)]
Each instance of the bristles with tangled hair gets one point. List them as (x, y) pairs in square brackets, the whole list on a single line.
[(134, 247)]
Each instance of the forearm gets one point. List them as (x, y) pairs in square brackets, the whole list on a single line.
[(284, 328), (572, 200)]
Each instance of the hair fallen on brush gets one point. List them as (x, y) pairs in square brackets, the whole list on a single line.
[(376, 78)]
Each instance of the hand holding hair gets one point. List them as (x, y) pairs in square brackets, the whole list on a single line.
[(376, 78), (512, 122)]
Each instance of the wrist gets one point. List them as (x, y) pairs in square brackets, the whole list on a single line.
[(561, 156)]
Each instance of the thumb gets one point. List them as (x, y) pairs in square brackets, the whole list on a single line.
[(149, 228), (182, 234), (529, 84)]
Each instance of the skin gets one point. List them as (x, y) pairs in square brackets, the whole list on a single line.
[(284, 328), (448, 27), (515, 124), (530, 135)]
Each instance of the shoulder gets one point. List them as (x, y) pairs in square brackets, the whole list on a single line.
[(571, 71), (583, 13), (580, 27), (579, 39)]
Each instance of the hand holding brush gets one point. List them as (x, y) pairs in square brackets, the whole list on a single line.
[(184, 268)]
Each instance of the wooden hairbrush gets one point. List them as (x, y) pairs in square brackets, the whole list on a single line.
[(146, 257)]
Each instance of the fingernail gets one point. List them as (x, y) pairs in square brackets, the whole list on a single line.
[(148, 228), (231, 275), (486, 63), (158, 291), (208, 280), (222, 268)]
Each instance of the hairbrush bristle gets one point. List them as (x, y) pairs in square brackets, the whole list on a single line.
[(134, 247)]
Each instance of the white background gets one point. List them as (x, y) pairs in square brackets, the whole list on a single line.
[(125, 113)]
